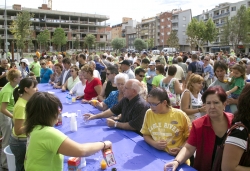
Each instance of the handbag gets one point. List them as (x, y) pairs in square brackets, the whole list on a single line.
[(245, 158)]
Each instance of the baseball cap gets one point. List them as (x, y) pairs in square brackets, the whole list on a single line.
[(152, 63), (125, 62), (25, 61), (145, 53)]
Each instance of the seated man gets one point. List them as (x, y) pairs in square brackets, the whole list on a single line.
[(165, 128), (132, 109)]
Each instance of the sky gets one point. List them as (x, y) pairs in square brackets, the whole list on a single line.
[(116, 9)]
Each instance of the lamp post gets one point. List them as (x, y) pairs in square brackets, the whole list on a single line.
[(5, 17)]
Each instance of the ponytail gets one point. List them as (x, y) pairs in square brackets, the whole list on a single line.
[(16, 94)]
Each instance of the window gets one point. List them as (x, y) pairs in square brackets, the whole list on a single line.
[(162, 34), (168, 19), (169, 26), (162, 20), (168, 33), (162, 27), (162, 41), (184, 25), (184, 18), (101, 36), (233, 8)]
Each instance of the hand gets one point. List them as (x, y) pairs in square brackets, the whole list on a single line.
[(160, 145), (78, 97), (203, 109), (63, 89), (110, 122), (231, 101), (174, 151), (228, 93), (173, 165), (88, 116), (108, 144), (4, 74), (85, 101)]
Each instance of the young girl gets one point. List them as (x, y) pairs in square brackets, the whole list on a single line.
[(237, 81), (18, 139), (47, 144)]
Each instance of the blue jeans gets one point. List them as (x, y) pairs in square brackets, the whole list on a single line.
[(18, 148), (234, 96)]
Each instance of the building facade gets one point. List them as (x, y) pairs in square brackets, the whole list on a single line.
[(219, 15), (74, 24)]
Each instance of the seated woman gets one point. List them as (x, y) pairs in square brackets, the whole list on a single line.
[(93, 85), (236, 142), (71, 81), (79, 87), (115, 96), (46, 142), (207, 132), (165, 128), (96, 73), (54, 78), (172, 85), (45, 72), (191, 102)]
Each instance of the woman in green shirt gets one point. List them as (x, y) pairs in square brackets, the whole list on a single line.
[(71, 82), (159, 70), (7, 105), (18, 139)]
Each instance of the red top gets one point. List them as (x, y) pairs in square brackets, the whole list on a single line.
[(89, 91), (202, 136)]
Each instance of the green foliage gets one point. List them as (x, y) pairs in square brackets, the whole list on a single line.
[(20, 28), (43, 37), (140, 44), (235, 30), (173, 40), (76, 43), (89, 40), (151, 43), (118, 43), (59, 37), (200, 32)]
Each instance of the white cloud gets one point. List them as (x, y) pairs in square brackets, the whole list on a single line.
[(116, 9)]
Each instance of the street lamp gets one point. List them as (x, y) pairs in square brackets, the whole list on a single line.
[(6, 43)]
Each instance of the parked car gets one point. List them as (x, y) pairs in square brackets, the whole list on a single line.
[(169, 50), (156, 52)]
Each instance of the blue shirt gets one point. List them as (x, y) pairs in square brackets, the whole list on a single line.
[(210, 70), (99, 67), (45, 75), (150, 73), (112, 99)]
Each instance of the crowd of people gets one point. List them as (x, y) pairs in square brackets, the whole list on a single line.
[(180, 103)]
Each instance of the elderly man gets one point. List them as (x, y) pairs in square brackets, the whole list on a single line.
[(3, 69), (132, 109)]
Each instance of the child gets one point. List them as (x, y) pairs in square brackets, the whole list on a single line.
[(237, 81)]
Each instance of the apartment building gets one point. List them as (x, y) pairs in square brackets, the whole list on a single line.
[(163, 28), (130, 37), (73, 23), (219, 14)]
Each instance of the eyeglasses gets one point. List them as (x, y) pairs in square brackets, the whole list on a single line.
[(206, 59), (71, 70), (43, 64), (153, 105), (142, 75)]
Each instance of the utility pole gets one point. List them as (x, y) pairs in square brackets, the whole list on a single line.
[(6, 42)]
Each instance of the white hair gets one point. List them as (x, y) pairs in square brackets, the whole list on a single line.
[(3, 59), (121, 76), (137, 86)]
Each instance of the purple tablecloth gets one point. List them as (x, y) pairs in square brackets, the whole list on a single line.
[(130, 150)]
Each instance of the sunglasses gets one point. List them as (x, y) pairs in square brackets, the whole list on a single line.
[(142, 75), (43, 64)]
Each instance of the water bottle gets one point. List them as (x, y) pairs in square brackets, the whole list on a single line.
[(70, 99), (73, 123), (67, 98), (83, 162)]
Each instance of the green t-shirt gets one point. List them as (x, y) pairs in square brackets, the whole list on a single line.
[(157, 79), (19, 113), (36, 69), (6, 95), (162, 60), (42, 149), (239, 82)]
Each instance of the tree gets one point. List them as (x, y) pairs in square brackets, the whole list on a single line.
[(59, 38), (151, 43), (76, 43), (43, 37), (173, 40), (140, 44), (200, 32), (89, 40), (235, 30), (118, 43), (20, 28)]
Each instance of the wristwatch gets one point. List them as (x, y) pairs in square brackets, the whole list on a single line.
[(115, 124)]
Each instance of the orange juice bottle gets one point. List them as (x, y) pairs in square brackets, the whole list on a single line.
[(103, 164)]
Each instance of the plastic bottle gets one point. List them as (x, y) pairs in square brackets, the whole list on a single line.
[(70, 99), (83, 162), (67, 98), (73, 123)]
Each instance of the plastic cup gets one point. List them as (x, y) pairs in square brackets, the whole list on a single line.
[(94, 102), (78, 113), (73, 99)]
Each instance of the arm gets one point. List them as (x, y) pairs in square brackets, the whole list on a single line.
[(188, 75), (231, 101), (161, 145), (125, 126), (177, 87), (102, 94), (98, 89), (4, 110), (72, 148), (18, 126), (104, 114), (64, 87), (3, 75), (231, 158), (101, 106), (232, 90)]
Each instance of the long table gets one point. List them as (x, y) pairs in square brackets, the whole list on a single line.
[(130, 150)]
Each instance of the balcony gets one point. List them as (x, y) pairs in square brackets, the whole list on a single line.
[(219, 24), (221, 15), (175, 20), (175, 28), (9, 36)]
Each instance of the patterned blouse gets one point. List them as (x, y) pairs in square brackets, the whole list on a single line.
[(112, 99)]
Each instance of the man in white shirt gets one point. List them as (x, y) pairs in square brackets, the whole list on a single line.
[(65, 73), (125, 67), (179, 73)]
